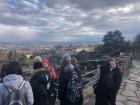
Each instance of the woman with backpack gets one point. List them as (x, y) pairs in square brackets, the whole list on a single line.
[(104, 88), (14, 89), (42, 83), (65, 83)]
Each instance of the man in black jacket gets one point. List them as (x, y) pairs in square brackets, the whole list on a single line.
[(42, 84)]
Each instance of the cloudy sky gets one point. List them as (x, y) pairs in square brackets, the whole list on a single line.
[(67, 20)]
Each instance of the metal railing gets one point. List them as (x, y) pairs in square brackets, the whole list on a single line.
[(91, 80)]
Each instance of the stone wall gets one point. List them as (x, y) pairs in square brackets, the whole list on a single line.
[(136, 52)]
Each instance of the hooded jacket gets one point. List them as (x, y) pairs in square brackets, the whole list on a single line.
[(13, 81), (64, 78), (41, 77)]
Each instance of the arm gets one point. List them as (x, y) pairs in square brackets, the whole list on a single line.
[(63, 81), (118, 80), (29, 94), (1, 95), (61, 87)]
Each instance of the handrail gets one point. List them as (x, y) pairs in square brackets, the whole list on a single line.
[(94, 78), (93, 71)]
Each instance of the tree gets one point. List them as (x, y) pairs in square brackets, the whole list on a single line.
[(113, 42), (136, 47), (128, 46), (137, 40)]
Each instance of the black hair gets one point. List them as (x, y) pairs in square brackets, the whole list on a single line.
[(37, 65), (104, 69), (14, 68), (4, 70), (105, 74)]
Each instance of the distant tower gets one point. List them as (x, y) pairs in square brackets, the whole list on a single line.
[(12, 55)]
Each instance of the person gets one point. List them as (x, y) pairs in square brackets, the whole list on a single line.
[(54, 78), (11, 81), (76, 66), (65, 77), (104, 88), (78, 71), (52, 70), (37, 63), (117, 75), (42, 83)]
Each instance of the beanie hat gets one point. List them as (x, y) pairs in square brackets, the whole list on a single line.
[(38, 59), (66, 57)]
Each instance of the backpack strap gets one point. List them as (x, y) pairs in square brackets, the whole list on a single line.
[(22, 85), (6, 88)]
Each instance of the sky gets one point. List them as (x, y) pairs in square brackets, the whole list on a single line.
[(67, 20)]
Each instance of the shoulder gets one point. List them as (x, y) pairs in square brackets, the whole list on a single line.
[(27, 84), (118, 71), (69, 68), (39, 73)]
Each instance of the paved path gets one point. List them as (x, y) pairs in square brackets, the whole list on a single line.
[(129, 93)]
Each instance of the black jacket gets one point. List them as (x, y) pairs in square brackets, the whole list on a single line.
[(78, 71), (39, 83), (64, 78), (104, 93), (117, 77)]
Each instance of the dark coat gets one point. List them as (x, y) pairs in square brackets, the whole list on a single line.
[(104, 92), (64, 78), (78, 71), (41, 78), (117, 77)]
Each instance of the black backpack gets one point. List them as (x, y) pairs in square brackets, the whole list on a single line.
[(74, 88), (16, 97)]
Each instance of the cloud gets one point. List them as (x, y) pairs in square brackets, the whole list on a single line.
[(67, 20), (1, 3), (94, 4), (16, 32)]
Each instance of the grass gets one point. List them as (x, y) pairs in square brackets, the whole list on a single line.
[(89, 93)]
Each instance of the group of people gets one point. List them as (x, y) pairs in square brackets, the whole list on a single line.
[(42, 88)]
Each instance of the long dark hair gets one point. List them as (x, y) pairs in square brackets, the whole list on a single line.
[(14, 68), (105, 75), (4, 71)]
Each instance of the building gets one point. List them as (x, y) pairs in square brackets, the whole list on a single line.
[(4, 54)]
